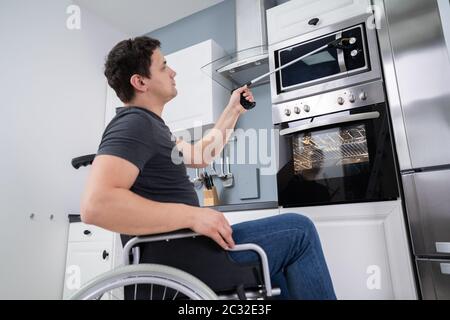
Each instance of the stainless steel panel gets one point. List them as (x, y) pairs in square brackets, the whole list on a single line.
[(434, 279), (335, 120), (422, 65), (390, 81), (367, 94), (374, 74), (428, 206)]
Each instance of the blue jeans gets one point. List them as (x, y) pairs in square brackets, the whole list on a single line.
[(293, 248)]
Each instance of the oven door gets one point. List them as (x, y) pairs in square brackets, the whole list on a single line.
[(340, 158), (326, 65)]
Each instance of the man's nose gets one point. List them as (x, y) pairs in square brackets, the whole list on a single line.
[(173, 73)]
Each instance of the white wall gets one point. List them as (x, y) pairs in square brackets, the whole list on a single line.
[(52, 109)]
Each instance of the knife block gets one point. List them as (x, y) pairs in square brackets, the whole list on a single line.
[(210, 198)]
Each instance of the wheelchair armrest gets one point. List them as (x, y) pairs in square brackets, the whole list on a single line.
[(187, 233), (179, 234)]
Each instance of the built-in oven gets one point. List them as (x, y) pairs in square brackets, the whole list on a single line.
[(341, 157), (327, 70)]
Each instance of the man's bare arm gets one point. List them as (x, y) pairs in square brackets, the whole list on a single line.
[(108, 203), (202, 153)]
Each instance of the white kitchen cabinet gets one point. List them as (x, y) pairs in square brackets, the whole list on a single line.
[(91, 251), (291, 18), (366, 249), (200, 100)]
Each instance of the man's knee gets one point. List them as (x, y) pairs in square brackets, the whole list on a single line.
[(300, 222)]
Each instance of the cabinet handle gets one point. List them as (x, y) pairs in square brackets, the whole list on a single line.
[(313, 22), (445, 268), (87, 232), (105, 255)]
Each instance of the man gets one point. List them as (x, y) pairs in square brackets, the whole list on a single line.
[(135, 188)]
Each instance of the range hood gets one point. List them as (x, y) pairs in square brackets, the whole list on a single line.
[(251, 58)]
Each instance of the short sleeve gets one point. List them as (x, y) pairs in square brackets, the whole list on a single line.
[(131, 138)]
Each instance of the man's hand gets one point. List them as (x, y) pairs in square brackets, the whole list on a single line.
[(235, 100), (214, 225)]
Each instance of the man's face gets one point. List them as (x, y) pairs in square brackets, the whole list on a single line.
[(162, 81)]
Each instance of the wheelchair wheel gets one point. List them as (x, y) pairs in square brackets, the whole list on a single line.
[(159, 281)]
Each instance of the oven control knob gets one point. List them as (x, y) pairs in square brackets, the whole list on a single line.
[(363, 96), (297, 110), (287, 112), (352, 40), (352, 98), (341, 101), (307, 108), (354, 53)]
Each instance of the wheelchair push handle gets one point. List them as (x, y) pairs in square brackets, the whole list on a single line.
[(83, 161)]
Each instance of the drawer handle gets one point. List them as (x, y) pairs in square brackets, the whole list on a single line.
[(105, 255), (443, 247), (87, 232), (445, 268), (314, 21)]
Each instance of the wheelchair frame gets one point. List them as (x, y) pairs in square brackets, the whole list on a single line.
[(266, 290), (135, 273)]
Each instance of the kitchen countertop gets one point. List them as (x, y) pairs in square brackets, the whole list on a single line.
[(225, 208), (246, 206)]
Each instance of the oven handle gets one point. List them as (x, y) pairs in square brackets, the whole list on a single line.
[(331, 121)]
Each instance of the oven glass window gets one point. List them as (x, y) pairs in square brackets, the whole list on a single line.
[(341, 163), (326, 154)]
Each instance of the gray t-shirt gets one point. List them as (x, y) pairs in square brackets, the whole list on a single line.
[(142, 138)]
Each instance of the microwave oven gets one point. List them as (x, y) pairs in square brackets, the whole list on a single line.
[(330, 69)]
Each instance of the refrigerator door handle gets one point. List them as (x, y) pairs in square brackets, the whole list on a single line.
[(443, 247), (445, 268)]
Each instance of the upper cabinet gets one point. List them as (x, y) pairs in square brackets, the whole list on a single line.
[(200, 100), (297, 17)]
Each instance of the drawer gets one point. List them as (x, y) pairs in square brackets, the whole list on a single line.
[(292, 18), (81, 232), (434, 279)]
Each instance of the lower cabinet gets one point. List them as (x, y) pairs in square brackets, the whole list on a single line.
[(91, 251), (366, 249)]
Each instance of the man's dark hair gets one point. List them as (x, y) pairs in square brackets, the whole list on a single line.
[(127, 58)]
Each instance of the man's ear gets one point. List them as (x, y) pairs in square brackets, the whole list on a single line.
[(138, 83)]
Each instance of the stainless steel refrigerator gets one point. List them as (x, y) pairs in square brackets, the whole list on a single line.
[(416, 63)]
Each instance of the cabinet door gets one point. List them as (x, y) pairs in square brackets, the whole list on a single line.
[(86, 260), (292, 18), (366, 249), (200, 100)]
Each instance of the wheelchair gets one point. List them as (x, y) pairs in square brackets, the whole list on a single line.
[(180, 265)]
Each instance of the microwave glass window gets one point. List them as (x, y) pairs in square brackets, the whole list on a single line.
[(327, 153), (321, 65)]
